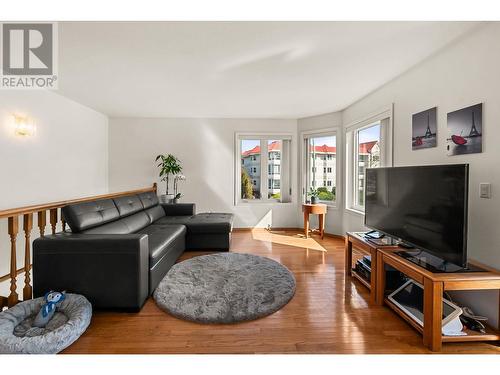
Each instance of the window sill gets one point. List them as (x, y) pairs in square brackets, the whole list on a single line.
[(332, 206), (354, 211)]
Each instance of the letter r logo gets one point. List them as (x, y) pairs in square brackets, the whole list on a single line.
[(27, 49)]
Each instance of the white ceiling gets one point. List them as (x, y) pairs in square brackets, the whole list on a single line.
[(238, 69)]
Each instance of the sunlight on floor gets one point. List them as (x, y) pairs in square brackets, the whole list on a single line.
[(289, 239)]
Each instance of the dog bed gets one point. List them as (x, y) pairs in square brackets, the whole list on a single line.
[(18, 336)]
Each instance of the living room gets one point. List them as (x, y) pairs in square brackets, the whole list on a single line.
[(140, 213)]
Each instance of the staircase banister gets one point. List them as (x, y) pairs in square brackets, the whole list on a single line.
[(47, 206)]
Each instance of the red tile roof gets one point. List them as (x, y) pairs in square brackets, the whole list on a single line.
[(255, 150), (364, 148), (275, 146), (326, 149)]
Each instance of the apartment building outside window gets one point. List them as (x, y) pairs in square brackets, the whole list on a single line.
[(320, 165), (269, 171), (367, 156), (368, 145)]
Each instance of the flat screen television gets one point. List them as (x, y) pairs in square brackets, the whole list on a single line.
[(422, 206)]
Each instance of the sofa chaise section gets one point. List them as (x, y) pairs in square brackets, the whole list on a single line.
[(205, 231)]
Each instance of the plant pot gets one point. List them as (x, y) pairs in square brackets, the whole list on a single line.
[(314, 200), (176, 200), (167, 198)]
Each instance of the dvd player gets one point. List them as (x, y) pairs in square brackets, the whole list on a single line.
[(394, 278)]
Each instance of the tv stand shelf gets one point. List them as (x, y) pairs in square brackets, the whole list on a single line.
[(435, 284), (356, 243), (361, 279), (490, 335)]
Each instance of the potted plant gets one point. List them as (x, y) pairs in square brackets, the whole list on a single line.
[(314, 194), (178, 178), (169, 166)]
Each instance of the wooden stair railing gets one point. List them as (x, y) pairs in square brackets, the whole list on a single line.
[(27, 213)]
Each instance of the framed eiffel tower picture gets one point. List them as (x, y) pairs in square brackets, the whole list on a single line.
[(424, 129), (465, 128)]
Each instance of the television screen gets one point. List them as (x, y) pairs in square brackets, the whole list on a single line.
[(424, 206)]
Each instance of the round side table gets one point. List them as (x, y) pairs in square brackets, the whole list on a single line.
[(315, 209)]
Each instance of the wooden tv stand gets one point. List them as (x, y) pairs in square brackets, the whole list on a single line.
[(435, 284), (354, 240)]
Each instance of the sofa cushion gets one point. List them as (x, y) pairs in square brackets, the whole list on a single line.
[(148, 199), (211, 223), (158, 271), (155, 213), (183, 220), (115, 227), (128, 205), (87, 215), (126, 225), (161, 238), (136, 221)]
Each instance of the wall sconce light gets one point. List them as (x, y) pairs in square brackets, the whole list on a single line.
[(24, 126)]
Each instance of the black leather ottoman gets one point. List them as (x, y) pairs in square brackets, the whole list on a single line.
[(207, 231)]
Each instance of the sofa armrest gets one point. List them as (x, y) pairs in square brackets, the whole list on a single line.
[(112, 270), (179, 209)]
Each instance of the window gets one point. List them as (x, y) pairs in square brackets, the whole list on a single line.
[(273, 184), (275, 155), (274, 168), (367, 155), (368, 145), (263, 176), (320, 150)]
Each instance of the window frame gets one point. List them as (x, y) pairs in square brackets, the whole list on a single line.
[(264, 167), (355, 175), (385, 119), (304, 170)]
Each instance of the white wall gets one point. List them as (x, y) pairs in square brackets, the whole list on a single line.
[(334, 216), (206, 149), (67, 158), (463, 74)]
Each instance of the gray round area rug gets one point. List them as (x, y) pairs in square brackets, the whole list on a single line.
[(225, 288)]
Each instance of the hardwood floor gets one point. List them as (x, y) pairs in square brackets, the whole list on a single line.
[(326, 315)]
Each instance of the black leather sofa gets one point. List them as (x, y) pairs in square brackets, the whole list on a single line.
[(118, 250)]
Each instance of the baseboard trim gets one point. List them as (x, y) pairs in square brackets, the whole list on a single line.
[(337, 236), (249, 229)]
